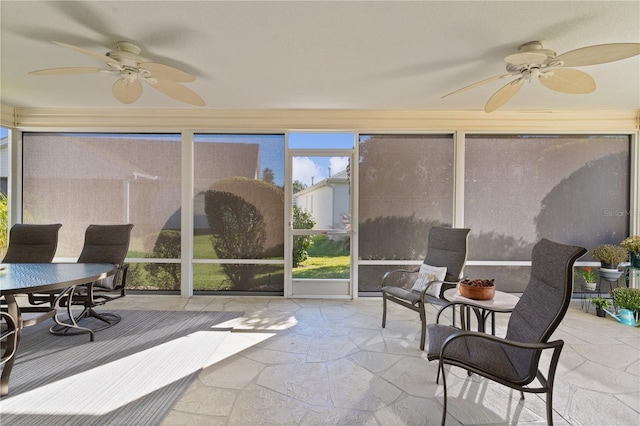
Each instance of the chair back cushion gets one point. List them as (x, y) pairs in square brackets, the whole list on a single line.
[(106, 244), (545, 300), (31, 243), (448, 247)]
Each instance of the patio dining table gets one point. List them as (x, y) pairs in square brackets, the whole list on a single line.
[(25, 278)]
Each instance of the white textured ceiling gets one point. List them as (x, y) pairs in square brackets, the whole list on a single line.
[(315, 54)]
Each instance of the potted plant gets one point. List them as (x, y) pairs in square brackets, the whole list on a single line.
[(632, 244), (610, 256), (627, 302), (590, 276), (601, 304)]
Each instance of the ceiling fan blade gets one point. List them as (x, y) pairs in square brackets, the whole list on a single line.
[(178, 91), (526, 58), (126, 91), (598, 54), (103, 58), (479, 83), (165, 72), (567, 80), (72, 70), (503, 95)]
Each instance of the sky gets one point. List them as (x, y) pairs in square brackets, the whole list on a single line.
[(312, 169)]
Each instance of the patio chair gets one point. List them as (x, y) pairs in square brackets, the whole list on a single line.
[(440, 271), (102, 244), (31, 243), (514, 360)]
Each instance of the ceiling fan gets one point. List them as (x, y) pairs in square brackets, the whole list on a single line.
[(126, 62), (533, 62)]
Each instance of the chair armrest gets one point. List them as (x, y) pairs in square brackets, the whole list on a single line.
[(534, 372), (501, 340), (430, 283), (394, 272)]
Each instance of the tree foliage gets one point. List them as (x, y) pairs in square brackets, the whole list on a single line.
[(301, 243), (4, 221), (298, 186), (238, 230), (166, 276), (268, 175), (268, 199)]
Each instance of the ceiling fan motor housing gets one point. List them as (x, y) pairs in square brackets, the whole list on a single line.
[(127, 54)]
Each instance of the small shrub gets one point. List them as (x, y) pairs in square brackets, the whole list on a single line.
[(165, 276), (626, 298), (301, 243), (609, 253)]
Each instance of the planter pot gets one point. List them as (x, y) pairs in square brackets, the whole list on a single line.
[(635, 260), (601, 312), (589, 286), (608, 266), (610, 274)]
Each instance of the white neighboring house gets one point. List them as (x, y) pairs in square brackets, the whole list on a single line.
[(327, 201)]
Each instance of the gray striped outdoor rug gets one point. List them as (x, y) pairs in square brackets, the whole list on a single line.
[(132, 374)]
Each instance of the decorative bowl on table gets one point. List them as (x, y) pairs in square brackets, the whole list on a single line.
[(477, 289)]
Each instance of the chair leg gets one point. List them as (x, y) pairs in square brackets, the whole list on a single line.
[(384, 309), (444, 386), (423, 321), (109, 319), (550, 408)]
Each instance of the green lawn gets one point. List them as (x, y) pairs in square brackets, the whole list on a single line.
[(327, 259)]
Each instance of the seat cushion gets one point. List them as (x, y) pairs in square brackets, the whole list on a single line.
[(472, 350), (402, 293), (108, 283)]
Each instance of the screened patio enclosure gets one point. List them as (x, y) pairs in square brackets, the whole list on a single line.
[(213, 212)]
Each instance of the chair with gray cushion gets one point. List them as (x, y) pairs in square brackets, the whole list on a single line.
[(514, 360), (32, 243), (102, 244), (446, 247)]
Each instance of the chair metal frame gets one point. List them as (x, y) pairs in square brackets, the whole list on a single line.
[(10, 333), (91, 295)]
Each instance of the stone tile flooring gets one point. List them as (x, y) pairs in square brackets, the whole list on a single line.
[(315, 362)]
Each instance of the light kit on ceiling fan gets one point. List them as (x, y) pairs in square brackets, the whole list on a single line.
[(533, 62), (133, 68)]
